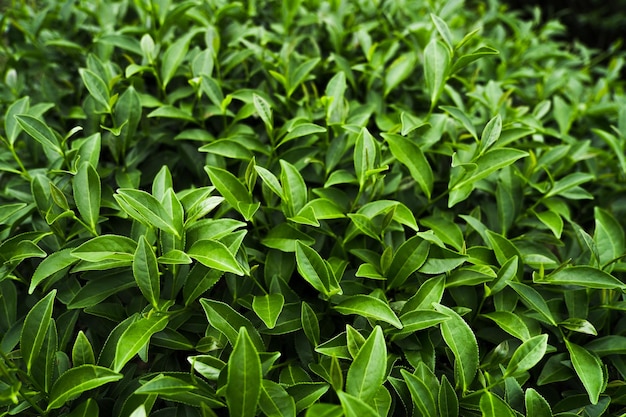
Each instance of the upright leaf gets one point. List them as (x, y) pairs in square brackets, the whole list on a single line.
[(493, 406), (39, 131), (226, 320), (423, 397), (436, 69), (86, 187), (369, 368), (243, 385), (589, 369), (35, 328), (409, 257), (146, 271), (461, 340)]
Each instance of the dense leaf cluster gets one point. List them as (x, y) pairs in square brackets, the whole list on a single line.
[(308, 207)]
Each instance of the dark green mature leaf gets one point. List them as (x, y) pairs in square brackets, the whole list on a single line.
[(461, 340), (35, 328), (369, 368), (315, 271), (370, 307), (106, 247), (447, 400), (39, 131), (78, 380), (163, 385), (243, 385)]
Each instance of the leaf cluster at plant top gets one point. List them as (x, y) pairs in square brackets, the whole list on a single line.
[(309, 207)]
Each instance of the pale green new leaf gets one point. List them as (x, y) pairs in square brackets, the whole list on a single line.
[(355, 407)]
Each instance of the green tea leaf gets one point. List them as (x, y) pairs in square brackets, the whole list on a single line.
[(232, 189), (510, 323), (96, 87), (275, 401), (584, 276), (493, 406), (533, 300), (243, 386), (12, 127), (436, 69), (422, 396), (409, 257), (77, 380), (87, 193), (536, 405), (39, 131), (447, 400), (53, 263), (589, 369), (135, 337), (82, 352), (164, 385), (355, 407), (527, 355), (225, 319), (369, 368), (146, 271), (106, 247), (146, 209), (35, 328), (268, 307), (411, 156), (461, 340), (215, 254), (371, 307)]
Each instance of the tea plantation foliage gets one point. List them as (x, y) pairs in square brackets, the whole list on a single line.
[(308, 207)]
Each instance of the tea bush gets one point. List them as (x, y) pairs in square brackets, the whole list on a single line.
[(308, 207)]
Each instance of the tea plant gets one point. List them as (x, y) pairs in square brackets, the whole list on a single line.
[(314, 208)]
